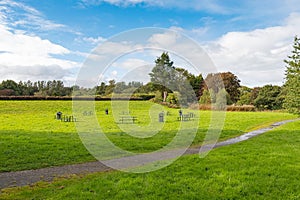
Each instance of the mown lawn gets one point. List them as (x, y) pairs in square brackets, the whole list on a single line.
[(31, 138), (264, 167)]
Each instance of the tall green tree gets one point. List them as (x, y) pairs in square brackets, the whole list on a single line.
[(292, 84), (163, 74)]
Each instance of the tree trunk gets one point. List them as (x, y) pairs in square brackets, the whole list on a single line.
[(165, 96)]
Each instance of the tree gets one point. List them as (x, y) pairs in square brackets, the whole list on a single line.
[(232, 85), (196, 82), (269, 97), (110, 88), (11, 85), (208, 97), (100, 90), (221, 99), (292, 84), (168, 79), (245, 96), (120, 87), (148, 88), (229, 80), (163, 74), (254, 94)]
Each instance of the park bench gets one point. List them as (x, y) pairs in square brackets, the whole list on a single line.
[(186, 117), (128, 119), (66, 118)]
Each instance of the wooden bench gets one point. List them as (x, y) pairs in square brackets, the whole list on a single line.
[(128, 119), (184, 117), (66, 118)]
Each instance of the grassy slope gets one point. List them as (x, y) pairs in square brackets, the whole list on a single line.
[(30, 137), (264, 167)]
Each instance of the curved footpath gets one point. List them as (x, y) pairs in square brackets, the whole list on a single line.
[(27, 177)]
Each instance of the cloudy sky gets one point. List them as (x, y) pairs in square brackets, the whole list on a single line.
[(46, 40)]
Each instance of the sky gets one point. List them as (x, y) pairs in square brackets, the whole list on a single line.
[(47, 40)]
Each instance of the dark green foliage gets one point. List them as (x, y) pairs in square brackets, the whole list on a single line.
[(100, 90), (11, 85), (246, 96), (148, 88), (245, 99), (292, 84), (269, 98), (40, 88), (195, 82)]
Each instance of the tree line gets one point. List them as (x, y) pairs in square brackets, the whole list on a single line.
[(38, 88), (175, 85)]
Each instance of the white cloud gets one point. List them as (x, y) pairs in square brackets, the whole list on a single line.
[(24, 55), (138, 74), (111, 50), (208, 5), (33, 72), (20, 49), (256, 56), (94, 41), (24, 7), (15, 14), (130, 63), (112, 75), (165, 39), (187, 52)]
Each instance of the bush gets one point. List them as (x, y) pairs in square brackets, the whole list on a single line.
[(244, 108), (172, 99), (144, 96)]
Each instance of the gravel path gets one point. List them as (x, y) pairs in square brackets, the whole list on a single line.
[(28, 177)]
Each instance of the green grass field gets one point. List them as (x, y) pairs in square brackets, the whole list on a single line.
[(31, 138), (264, 167)]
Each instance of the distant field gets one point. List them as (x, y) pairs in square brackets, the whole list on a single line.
[(31, 138), (264, 167)]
